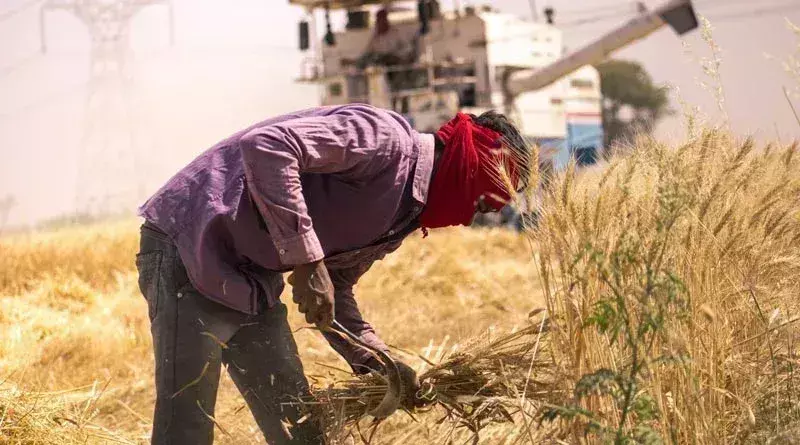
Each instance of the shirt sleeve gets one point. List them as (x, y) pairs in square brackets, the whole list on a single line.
[(342, 142), (348, 314)]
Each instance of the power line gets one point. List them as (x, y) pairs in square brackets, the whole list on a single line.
[(44, 101), (597, 9), (10, 69), (758, 12), (714, 3), (21, 8), (717, 5), (590, 20)]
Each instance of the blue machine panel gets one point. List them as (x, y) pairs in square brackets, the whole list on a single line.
[(585, 141)]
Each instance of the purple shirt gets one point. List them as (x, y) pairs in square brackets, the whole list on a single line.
[(343, 183)]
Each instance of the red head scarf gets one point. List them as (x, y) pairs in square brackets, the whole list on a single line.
[(467, 170)]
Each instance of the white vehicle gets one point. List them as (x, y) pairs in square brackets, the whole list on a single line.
[(472, 60)]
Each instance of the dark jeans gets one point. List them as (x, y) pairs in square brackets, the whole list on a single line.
[(193, 336)]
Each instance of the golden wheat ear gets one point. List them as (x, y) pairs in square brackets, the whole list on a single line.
[(524, 159)]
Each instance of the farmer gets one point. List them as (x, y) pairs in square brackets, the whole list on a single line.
[(320, 194)]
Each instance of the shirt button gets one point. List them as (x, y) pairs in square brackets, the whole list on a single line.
[(391, 232), (180, 294), (282, 251)]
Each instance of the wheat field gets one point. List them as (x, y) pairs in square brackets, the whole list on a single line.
[(670, 279), (75, 348)]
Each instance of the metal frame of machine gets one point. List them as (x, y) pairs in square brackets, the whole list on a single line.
[(476, 59)]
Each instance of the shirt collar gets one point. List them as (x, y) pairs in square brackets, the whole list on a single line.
[(424, 168)]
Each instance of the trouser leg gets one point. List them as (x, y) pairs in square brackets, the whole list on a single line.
[(187, 362), (263, 362), (193, 335), (187, 377)]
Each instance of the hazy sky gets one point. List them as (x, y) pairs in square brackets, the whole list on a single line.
[(234, 62)]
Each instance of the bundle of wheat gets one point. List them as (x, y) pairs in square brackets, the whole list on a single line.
[(493, 380)]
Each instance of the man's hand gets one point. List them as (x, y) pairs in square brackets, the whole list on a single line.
[(411, 386), (408, 376), (312, 290)]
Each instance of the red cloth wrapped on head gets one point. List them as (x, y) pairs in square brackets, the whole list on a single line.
[(468, 169)]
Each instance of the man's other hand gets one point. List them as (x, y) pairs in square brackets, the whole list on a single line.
[(312, 290), (411, 385), (413, 397)]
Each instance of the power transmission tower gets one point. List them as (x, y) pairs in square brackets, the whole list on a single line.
[(108, 173)]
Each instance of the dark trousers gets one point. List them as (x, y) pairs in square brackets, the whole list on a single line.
[(193, 336)]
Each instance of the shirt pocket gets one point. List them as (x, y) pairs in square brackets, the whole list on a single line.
[(149, 266)]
